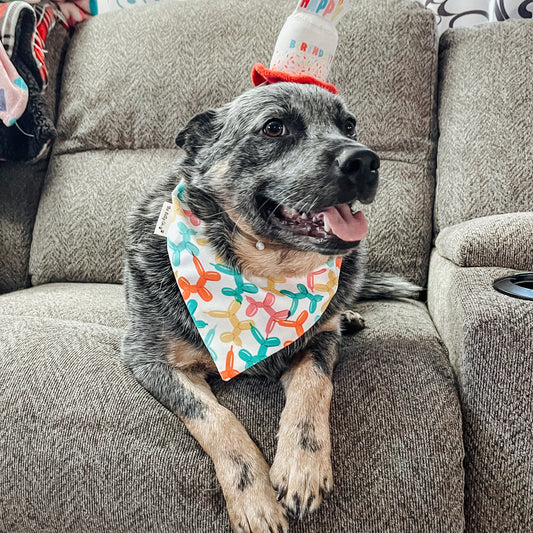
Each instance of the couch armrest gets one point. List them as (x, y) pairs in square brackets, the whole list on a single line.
[(490, 341), (493, 241)]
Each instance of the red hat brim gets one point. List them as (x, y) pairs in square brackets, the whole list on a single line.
[(261, 74)]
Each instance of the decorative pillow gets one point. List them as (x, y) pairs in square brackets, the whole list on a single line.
[(466, 13)]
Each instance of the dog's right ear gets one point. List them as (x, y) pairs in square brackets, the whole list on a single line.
[(200, 130)]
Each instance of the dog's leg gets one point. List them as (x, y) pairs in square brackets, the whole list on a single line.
[(301, 472), (240, 467)]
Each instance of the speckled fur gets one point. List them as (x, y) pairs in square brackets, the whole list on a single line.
[(228, 163)]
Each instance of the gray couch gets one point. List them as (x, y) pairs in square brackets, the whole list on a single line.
[(432, 413)]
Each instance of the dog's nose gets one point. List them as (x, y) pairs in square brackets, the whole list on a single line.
[(356, 167)]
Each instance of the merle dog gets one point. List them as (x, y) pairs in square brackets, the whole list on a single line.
[(267, 167)]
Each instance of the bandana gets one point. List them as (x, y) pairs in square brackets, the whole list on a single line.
[(241, 320)]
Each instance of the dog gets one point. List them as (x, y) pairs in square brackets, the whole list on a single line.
[(261, 172)]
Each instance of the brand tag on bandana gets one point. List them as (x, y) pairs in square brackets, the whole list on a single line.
[(165, 218), (241, 321)]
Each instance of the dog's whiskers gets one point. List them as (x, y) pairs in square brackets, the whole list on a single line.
[(213, 215), (303, 205), (236, 225), (274, 210)]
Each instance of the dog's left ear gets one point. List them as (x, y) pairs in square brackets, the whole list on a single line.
[(200, 130)]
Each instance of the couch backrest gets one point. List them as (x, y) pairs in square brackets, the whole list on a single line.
[(485, 151), (133, 78)]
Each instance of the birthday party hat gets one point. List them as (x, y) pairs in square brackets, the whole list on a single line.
[(306, 45)]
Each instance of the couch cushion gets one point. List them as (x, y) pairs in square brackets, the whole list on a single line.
[(80, 228), (86, 449), (90, 303), (485, 108), (134, 77)]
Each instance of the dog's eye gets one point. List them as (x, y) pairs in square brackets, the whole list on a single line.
[(274, 128), (349, 128)]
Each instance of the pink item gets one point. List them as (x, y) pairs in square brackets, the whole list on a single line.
[(344, 224), (13, 91), (73, 11)]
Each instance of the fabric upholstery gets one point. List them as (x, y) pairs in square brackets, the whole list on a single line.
[(117, 100), (89, 450), (493, 241), (485, 108), (489, 339), (80, 228), (93, 303), (20, 186)]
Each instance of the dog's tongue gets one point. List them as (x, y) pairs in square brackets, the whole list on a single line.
[(344, 224)]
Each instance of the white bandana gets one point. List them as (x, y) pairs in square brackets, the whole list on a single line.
[(241, 321)]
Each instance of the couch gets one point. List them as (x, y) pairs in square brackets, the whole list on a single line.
[(432, 413)]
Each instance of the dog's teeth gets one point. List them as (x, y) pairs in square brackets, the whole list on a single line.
[(326, 225), (353, 207), (303, 216)]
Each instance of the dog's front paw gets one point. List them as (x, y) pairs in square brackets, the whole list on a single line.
[(351, 322), (256, 510), (301, 477)]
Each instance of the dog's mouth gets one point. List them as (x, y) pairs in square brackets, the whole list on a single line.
[(343, 222)]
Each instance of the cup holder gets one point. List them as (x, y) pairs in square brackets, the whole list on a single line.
[(517, 286)]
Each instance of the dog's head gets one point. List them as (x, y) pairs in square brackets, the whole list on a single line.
[(283, 163)]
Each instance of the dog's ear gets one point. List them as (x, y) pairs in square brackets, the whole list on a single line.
[(200, 130)]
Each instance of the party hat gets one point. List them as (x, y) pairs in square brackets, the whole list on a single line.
[(306, 45)]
